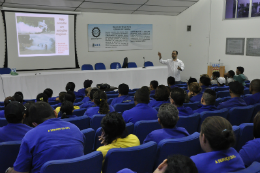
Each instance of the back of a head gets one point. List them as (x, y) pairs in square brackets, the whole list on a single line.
[(216, 74), (88, 90), (191, 80), (255, 85), (231, 73), (205, 81), (178, 96), (205, 75), (62, 96), (48, 92), (161, 93), (146, 88), (70, 86), (8, 100), (142, 96), (70, 96), (41, 111), (19, 93), (168, 115), (14, 112), (209, 96), (154, 83), (221, 81), (87, 83), (27, 120), (171, 80), (195, 87), (92, 92), (219, 133), (236, 87), (18, 98), (42, 98), (123, 89), (113, 126), (100, 99), (66, 109), (180, 164), (256, 130), (240, 69)]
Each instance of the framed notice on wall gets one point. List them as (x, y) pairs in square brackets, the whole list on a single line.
[(253, 46), (115, 37), (235, 46)]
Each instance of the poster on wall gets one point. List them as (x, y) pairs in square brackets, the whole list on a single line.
[(253, 47), (235, 46), (116, 37)]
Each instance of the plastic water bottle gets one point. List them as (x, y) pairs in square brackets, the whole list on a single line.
[(117, 66)]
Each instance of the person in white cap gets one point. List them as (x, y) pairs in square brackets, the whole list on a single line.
[(221, 81)]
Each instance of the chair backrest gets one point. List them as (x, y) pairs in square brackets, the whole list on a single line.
[(222, 94), (81, 122), (143, 128), (190, 123), (90, 163), (132, 65), (256, 109), (236, 130), (89, 140), (100, 66), (139, 159), (130, 128), (112, 96), (222, 89), (131, 93), (253, 168), (79, 112), (87, 67), (114, 64), (222, 113), (188, 146), (226, 99), (193, 106), (121, 107), (95, 121), (218, 100), (157, 108), (9, 152), (79, 99), (239, 115), (97, 143), (109, 101), (246, 91), (246, 134), (148, 64), (5, 70), (3, 122)]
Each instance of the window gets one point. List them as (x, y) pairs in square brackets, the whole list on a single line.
[(230, 9), (255, 8), (242, 8)]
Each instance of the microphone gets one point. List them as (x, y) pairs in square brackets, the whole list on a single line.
[(144, 62)]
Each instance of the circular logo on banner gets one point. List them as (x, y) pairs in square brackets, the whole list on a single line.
[(96, 32)]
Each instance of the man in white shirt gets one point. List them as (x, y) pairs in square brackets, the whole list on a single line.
[(174, 66)]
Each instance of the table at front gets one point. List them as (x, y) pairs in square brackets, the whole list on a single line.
[(31, 84)]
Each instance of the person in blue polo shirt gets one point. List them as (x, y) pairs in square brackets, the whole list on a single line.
[(100, 100), (195, 93), (204, 83), (67, 109), (71, 87), (250, 152), (208, 100), (6, 102), (142, 111), (217, 139), (177, 98), (153, 85), (255, 90), (49, 93), (221, 84), (42, 98), (51, 139), (161, 96), (91, 102), (171, 82), (87, 83), (167, 118), (15, 129), (87, 93), (236, 89), (123, 97)]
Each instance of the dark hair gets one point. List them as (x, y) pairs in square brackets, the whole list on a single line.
[(8, 100), (19, 93), (195, 87), (180, 164), (142, 96), (168, 115), (191, 80), (27, 120), (178, 96), (70, 96), (209, 96), (205, 81), (257, 125), (154, 83), (48, 92), (62, 96), (176, 52), (231, 73), (66, 109), (16, 117), (70, 86), (161, 93), (123, 89), (41, 111), (113, 126), (236, 88), (92, 92), (42, 97), (241, 69), (18, 98), (219, 133), (171, 80), (255, 85), (87, 83), (146, 88), (216, 74), (100, 99)]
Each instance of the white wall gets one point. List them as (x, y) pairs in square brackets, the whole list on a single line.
[(2, 41)]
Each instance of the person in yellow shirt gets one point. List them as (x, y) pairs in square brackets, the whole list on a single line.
[(114, 134), (69, 96)]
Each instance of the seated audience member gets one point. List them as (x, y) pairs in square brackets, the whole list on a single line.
[(171, 82), (195, 93), (153, 85), (87, 83), (187, 99), (215, 76), (161, 96), (240, 77), (19, 93), (49, 93), (61, 97), (177, 98), (208, 100), (69, 96), (15, 129), (191, 80), (27, 118), (123, 97), (42, 98), (255, 90), (100, 100), (229, 76), (205, 75), (6, 102), (67, 109), (71, 87), (250, 152), (114, 134), (221, 82), (236, 89), (204, 83), (217, 139), (51, 139), (167, 118), (91, 102), (141, 111), (18, 98), (87, 93)]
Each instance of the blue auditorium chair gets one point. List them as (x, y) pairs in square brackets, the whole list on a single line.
[(131, 93), (9, 152), (130, 128), (193, 106), (253, 168), (121, 107), (236, 130), (100, 66), (190, 123), (246, 134), (144, 127), (188, 146), (256, 109), (89, 140), (5, 70), (3, 122), (109, 101), (133, 90), (224, 99), (95, 121), (247, 95), (222, 113), (139, 158), (111, 92), (112, 96), (114, 64), (222, 94), (87, 67), (79, 112), (90, 163), (132, 65), (81, 122), (246, 91), (218, 100), (222, 89), (79, 99), (157, 108), (239, 115), (2, 104), (148, 64)]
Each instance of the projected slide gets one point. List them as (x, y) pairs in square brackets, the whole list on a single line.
[(42, 34)]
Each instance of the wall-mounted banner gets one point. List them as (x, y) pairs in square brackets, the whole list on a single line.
[(109, 37)]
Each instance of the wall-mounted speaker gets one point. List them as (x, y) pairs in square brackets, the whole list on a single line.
[(189, 28)]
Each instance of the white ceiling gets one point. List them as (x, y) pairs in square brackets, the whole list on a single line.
[(150, 7)]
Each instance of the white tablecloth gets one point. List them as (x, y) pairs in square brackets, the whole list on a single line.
[(31, 84)]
